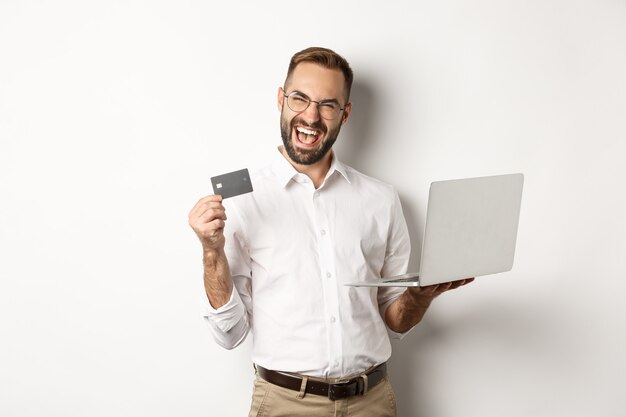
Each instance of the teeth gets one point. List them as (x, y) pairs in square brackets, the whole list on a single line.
[(306, 131)]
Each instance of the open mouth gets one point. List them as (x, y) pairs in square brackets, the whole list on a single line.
[(307, 137)]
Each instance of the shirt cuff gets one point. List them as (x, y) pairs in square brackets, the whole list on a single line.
[(396, 335), (228, 315)]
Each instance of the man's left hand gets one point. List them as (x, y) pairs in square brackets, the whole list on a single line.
[(411, 306), (432, 291)]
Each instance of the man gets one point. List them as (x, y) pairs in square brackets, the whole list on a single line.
[(278, 265)]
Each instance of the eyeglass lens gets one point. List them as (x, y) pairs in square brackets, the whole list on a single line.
[(299, 103)]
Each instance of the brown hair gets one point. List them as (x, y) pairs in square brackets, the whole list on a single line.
[(324, 57)]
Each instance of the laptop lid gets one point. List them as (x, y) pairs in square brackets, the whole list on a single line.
[(471, 230)]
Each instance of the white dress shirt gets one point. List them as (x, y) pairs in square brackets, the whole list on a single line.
[(291, 248)]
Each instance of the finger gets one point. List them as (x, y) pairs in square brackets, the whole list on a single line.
[(203, 206), (211, 215), (212, 197), (460, 283), (430, 290), (208, 207), (441, 288), (204, 200), (456, 284), (198, 222), (212, 229), (217, 226)]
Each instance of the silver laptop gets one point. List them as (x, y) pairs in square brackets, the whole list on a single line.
[(471, 230)]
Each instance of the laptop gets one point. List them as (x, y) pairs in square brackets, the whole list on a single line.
[(471, 231)]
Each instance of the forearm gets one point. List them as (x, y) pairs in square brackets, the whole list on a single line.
[(218, 282), (410, 307), (230, 324), (407, 311)]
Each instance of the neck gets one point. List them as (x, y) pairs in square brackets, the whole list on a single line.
[(316, 172)]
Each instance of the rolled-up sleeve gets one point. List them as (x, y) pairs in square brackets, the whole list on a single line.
[(230, 323)]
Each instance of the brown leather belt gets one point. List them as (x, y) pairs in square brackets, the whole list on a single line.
[(355, 386)]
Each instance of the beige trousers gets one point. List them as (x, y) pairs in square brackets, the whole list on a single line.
[(270, 400)]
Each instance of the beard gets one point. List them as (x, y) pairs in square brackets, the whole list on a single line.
[(307, 156)]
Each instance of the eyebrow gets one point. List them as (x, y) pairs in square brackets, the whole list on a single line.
[(324, 100)]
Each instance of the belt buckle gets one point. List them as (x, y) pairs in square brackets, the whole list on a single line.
[(331, 389), (360, 387)]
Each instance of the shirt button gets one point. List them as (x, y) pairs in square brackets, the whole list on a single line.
[(323, 232), (336, 364), (328, 275), (333, 319)]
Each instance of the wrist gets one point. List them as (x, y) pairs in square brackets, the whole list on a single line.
[(212, 252), (211, 256)]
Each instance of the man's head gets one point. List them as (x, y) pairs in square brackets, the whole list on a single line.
[(325, 58), (314, 103)]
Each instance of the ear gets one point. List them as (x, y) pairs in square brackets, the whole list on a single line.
[(346, 112), (280, 99)]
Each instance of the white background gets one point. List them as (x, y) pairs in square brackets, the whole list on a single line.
[(113, 116)]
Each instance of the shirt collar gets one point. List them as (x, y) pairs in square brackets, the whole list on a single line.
[(285, 172), (337, 165)]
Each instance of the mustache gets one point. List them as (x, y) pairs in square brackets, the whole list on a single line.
[(317, 125)]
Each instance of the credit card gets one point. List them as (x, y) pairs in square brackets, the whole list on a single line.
[(232, 184)]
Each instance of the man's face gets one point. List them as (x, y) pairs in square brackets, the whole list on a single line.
[(306, 135)]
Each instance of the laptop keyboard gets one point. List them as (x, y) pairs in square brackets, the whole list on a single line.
[(402, 280)]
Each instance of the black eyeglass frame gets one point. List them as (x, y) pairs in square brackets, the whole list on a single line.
[(304, 96)]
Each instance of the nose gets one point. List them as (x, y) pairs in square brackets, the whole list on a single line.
[(311, 113)]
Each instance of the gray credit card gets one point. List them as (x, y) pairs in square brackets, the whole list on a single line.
[(232, 184)]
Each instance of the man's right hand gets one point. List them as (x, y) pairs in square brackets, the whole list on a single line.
[(207, 218)]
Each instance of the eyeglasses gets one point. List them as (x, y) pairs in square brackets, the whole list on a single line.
[(298, 102)]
